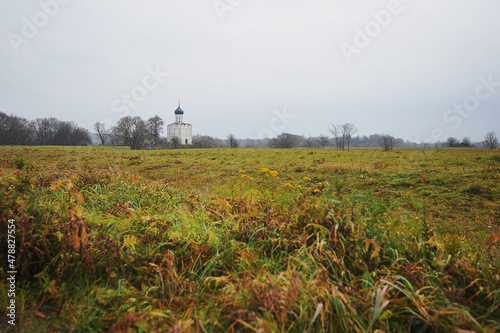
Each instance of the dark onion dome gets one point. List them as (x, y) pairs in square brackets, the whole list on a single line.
[(179, 110)]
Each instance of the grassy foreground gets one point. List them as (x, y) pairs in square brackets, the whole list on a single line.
[(302, 240)]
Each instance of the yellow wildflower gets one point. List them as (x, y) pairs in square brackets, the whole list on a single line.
[(264, 170), (307, 179), (274, 173), (316, 190), (246, 176), (242, 171)]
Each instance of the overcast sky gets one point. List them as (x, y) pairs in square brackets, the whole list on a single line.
[(420, 70)]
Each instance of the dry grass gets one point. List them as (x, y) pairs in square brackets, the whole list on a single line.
[(253, 240)]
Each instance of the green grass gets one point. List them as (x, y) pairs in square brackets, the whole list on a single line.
[(246, 240)]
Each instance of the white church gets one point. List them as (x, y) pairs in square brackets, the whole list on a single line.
[(179, 129)]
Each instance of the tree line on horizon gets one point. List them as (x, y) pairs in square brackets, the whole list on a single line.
[(138, 133), (41, 132)]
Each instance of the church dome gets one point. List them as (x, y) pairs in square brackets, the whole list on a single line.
[(179, 110)]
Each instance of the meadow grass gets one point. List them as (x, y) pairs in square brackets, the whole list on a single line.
[(253, 240)]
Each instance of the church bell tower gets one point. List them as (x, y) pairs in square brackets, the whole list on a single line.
[(179, 114)]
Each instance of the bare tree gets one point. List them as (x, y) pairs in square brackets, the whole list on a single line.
[(452, 142), (250, 144), (139, 132), (436, 145), (387, 142), (115, 137), (323, 140), (175, 141), (336, 131), (348, 131), (50, 131), (101, 131), (232, 141), (45, 130), (309, 142), (132, 131), (123, 130), (155, 127), (284, 140), (79, 136), (343, 135), (15, 130), (205, 141), (424, 145), (491, 140), (466, 142)]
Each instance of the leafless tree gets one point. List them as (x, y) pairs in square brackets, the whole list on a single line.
[(348, 131), (50, 131), (115, 137), (452, 142), (250, 144), (424, 145), (436, 145), (132, 131), (284, 140), (123, 130), (343, 135), (232, 141), (101, 131), (337, 136), (387, 142), (491, 140), (15, 130), (139, 132), (175, 142), (205, 141), (45, 130), (323, 140), (466, 142), (79, 136), (155, 128), (309, 142)]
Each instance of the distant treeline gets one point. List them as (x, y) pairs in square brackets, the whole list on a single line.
[(288, 140), (45, 131), (138, 134)]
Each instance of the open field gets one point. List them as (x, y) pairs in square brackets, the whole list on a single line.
[(247, 240)]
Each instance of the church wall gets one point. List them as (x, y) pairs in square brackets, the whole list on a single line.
[(182, 131)]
